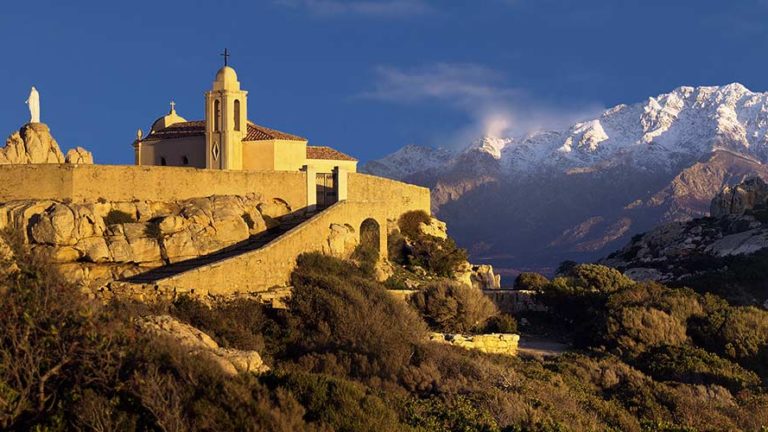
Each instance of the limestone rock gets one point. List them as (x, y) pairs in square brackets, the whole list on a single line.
[(483, 277), (94, 249), (32, 144), (735, 200), (230, 361), (341, 241), (274, 209), (435, 228), (79, 155), (478, 276), (55, 227)]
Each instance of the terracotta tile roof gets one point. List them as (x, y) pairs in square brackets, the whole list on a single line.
[(179, 130), (327, 153), (261, 133), (197, 128)]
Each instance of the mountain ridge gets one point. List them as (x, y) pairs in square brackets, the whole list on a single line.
[(655, 161)]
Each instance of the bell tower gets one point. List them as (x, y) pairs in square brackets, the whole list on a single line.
[(226, 114)]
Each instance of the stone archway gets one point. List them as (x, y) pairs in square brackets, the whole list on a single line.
[(370, 237)]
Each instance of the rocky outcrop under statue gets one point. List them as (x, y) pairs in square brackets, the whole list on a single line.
[(34, 144)]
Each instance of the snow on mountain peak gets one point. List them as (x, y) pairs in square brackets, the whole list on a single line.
[(491, 145), (681, 125)]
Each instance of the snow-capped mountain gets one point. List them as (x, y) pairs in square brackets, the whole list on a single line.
[(588, 187)]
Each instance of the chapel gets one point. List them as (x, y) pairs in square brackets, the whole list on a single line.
[(227, 140)]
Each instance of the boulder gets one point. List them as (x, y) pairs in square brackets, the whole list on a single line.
[(274, 209), (94, 249), (55, 227), (477, 276), (78, 155), (435, 228), (341, 241), (230, 361)]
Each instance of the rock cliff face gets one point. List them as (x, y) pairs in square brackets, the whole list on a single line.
[(94, 243), (34, 144), (684, 252), (738, 199)]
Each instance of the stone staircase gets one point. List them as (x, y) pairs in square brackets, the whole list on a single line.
[(253, 243)]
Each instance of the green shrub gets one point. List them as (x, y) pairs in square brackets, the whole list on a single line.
[(587, 279), (452, 307), (409, 223), (397, 248), (348, 324), (694, 365), (438, 256), (530, 281), (501, 323), (115, 217), (336, 403), (235, 323)]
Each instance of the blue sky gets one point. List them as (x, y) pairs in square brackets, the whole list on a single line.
[(365, 76)]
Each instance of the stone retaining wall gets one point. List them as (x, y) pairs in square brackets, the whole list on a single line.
[(89, 183), (493, 343)]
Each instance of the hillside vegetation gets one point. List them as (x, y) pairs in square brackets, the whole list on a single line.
[(348, 356)]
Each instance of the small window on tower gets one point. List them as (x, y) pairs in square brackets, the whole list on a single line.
[(163, 162), (185, 160), (216, 116), (237, 115)]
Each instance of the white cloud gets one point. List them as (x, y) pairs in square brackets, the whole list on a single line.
[(455, 83), (373, 8), (493, 107)]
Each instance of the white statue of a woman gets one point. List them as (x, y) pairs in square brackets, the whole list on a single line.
[(34, 105)]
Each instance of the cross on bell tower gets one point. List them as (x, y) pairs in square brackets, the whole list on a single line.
[(226, 55)]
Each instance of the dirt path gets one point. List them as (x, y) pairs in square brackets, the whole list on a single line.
[(538, 347)]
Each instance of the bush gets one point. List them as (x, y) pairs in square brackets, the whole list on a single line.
[(339, 404), (232, 324), (409, 223), (693, 365), (115, 217), (530, 281), (438, 256), (587, 279), (453, 307), (502, 323), (635, 329), (347, 324)]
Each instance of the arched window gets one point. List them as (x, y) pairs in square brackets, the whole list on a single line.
[(237, 115), (216, 115), (162, 161), (185, 160)]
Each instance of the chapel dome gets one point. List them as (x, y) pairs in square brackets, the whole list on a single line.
[(167, 120)]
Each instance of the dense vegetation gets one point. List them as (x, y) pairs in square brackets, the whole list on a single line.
[(347, 356)]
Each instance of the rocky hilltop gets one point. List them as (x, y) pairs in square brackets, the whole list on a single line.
[(725, 252), (33, 144), (533, 200)]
